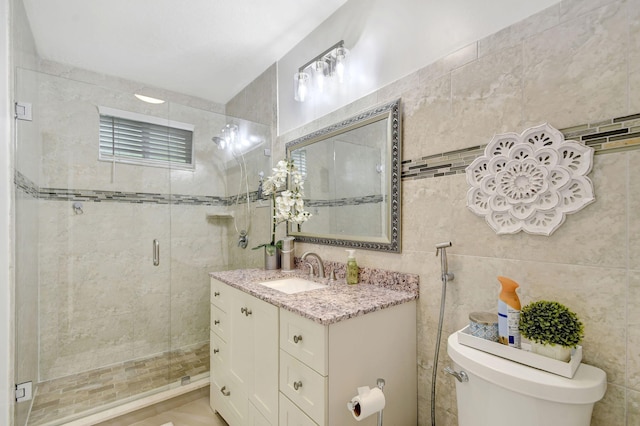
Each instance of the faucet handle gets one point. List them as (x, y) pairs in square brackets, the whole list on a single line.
[(311, 271), (332, 276)]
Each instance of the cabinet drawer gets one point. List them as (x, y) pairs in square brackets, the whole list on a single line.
[(290, 415), (305, 340), (219, 355), (220, 294), (220, 323), (233, 406), (304, 386)]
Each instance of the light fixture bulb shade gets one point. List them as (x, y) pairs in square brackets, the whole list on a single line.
[(320, 70), (341, 62), (300, 86)]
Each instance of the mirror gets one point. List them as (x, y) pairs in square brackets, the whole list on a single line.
[(352, 181)]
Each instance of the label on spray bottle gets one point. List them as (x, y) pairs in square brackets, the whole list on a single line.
[(508, 323)]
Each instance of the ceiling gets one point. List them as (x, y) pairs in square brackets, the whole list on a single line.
[(205, 48)]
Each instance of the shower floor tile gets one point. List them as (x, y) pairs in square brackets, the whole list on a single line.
[(72, 395)]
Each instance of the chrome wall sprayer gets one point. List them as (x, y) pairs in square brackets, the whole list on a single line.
[(444, 266)]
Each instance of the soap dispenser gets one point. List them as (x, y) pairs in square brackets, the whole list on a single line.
[(352, 268)]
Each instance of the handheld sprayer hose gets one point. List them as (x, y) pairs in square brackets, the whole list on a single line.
[(445, 276)]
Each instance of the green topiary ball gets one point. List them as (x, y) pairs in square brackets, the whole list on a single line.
[(550, 323)]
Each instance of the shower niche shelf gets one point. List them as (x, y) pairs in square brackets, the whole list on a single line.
[(211, 216)]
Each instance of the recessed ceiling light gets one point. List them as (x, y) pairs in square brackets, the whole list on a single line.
[(149, 99)]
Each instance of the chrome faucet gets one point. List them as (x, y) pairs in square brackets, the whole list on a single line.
[(320, 264)]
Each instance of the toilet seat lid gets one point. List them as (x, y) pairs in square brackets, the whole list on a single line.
[(587, 386)]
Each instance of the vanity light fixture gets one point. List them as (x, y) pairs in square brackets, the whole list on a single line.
[(148, 99), (319, 71), (300, 86)]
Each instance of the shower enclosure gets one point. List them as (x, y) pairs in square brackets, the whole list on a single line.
[(112, 258)]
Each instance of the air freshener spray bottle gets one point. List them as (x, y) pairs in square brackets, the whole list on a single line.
[(509, 313)]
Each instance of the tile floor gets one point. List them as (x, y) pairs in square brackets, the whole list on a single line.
[(196, 413), (86, 392)]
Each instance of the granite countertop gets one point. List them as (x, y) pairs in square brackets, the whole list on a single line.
[(338, 301)]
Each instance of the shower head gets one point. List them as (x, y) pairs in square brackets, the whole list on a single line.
[(220, 142)]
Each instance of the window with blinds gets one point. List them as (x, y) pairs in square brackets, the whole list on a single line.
[(140, 139), (299, 157)]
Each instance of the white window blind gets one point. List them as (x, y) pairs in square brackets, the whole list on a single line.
[(140, 139), (299, 157)]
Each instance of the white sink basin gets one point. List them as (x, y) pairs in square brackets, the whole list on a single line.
[(292, 285)]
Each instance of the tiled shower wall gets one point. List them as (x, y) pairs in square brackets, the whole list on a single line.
[(575, 63), (100, 299), (257, 103)]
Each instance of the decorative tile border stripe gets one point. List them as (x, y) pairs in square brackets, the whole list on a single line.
[(445, 164), (129, 197), (353, 201), (614, 135), (27, 186)]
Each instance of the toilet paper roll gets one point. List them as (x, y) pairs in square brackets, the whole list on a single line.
[(367, 402)]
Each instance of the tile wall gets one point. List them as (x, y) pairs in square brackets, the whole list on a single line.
[(577, 62)]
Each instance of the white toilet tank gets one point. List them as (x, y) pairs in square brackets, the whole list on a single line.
[(504, 393)]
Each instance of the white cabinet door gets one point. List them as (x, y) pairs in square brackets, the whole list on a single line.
[(247, 364), (240, 342), (264, 383)]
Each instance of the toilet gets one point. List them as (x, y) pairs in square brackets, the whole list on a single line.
[(501, 392)]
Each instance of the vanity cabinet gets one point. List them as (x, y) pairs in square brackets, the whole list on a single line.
[(244, 357), (275, 367), (321, 367)]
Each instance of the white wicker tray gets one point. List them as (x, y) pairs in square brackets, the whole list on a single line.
[(523, 356)]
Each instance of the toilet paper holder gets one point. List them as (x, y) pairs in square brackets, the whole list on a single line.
[(354, 407)]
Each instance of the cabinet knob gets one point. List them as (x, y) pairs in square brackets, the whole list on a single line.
[(297, 385), (216, 293), (215, 351), (297, 338), (224, 391), (245, 311), (216, 322)]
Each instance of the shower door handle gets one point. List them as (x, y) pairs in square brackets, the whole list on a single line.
[(156, 252)]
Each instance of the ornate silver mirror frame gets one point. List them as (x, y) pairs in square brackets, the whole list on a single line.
[(352, 178)]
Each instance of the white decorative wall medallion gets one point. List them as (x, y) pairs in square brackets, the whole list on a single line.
[(529, 182)]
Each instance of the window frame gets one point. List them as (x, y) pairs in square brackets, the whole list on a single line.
[(146, 119)]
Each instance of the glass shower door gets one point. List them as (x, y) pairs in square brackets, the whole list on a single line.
[(93, 310), (112, 258)]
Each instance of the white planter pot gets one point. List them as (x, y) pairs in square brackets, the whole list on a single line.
[(561, 353)]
